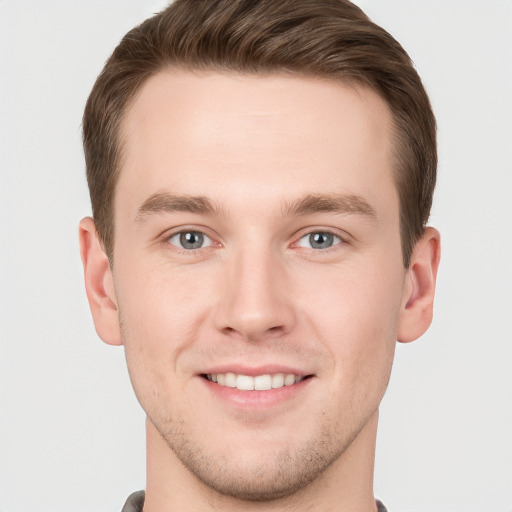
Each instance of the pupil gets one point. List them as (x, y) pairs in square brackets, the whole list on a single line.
[(191, 240), (321, 240)]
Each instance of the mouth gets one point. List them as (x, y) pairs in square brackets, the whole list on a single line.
[(263, 382)]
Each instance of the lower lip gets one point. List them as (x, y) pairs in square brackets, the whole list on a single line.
[(257, 400)]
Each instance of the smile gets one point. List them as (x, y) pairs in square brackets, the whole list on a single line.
[(257, 383)]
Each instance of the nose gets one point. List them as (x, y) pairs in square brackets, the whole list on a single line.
[(255, 301)]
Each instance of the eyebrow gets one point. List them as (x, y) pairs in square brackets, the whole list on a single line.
[(163, 202), (330, 203)]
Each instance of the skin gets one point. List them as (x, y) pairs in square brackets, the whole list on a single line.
[(257, 296)]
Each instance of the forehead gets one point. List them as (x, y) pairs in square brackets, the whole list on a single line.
[(236, 136)]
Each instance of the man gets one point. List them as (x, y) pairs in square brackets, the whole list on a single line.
[(261, 174)]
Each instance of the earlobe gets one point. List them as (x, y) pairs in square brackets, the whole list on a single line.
[(99, 284), (420, 282)]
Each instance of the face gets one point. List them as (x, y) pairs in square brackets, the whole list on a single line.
[(257, 246)]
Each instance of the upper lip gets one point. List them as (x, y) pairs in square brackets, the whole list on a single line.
[(254, 371)]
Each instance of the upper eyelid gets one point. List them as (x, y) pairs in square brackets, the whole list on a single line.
[(180, 248), (301, 233), (342, 241), (170, 232), (176, 233), (164, 240)]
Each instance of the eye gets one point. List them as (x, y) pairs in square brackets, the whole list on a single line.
[(319, 240), (190, 240)]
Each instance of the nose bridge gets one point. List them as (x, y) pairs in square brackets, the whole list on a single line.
[(253, 301)]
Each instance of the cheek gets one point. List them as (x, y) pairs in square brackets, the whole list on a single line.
[(355, 316), (161, 316), (161, 304)]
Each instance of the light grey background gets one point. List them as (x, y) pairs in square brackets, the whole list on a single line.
[(71, 432)]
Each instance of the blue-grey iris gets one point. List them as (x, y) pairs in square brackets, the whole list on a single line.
[(191, 240), (321, 240)]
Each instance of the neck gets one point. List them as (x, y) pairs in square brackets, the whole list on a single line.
[(346, 485)]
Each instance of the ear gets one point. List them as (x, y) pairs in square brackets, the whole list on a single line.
[(420, 283), (99, 284)]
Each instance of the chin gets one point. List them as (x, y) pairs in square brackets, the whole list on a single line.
[(264, 473), (257, 480)]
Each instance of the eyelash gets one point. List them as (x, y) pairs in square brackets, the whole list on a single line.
[(168, 237), (337, 240)]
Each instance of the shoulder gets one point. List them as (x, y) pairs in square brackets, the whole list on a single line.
[(381, 507), (135, 502)]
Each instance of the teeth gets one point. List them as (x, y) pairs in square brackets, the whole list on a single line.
[(230, 380), (289, 380), (278, 380), (260, 382), (244, 382)]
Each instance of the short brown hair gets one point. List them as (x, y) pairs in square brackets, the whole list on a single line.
[(331, 39)]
